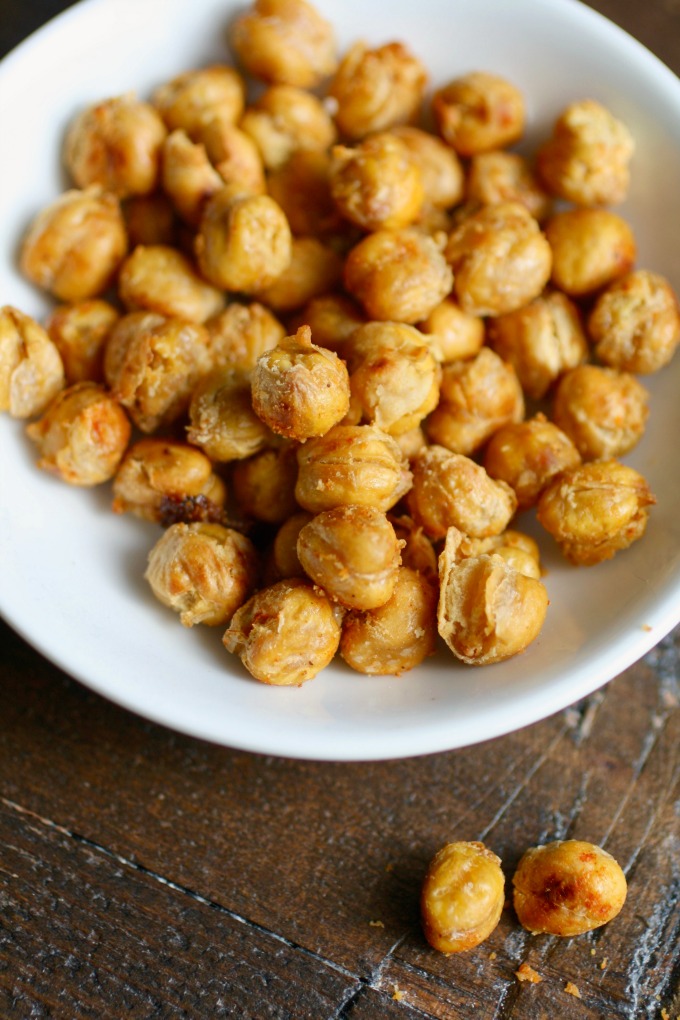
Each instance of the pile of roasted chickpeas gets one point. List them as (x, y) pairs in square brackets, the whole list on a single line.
[(334, 352)]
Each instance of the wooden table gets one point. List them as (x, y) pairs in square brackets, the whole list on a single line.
[(147, 874)]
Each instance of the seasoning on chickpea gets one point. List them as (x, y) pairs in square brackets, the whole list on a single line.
[(479, 112), (462, 896), (567, 888), (264, 484), (161, 279), (377, 184), (80, 332), (603, 411), (590, 249), (499, 176), (453, 334), (31, 369), (221, 418), (314, 269), (193, 98), (527, 455)]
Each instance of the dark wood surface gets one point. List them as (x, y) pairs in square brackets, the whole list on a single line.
[(148, 874)]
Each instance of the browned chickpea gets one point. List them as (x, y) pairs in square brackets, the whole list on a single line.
[(519, 551), (241, 333), (332, 319), (397, 275), (285, 634), (635, 323), (222, 421), (586, 159), (567, 888), (410, 442), (417, 551), (477, 397), (479, 112), (162, 479), (152, 364), (595, 509), (396, 636), (441, 170), (243, 243), (351, 464), (314, 269), (284, 120), (150, 219), (377, 184), (74, 247), (286, 562), (193, 98), (303, 190), (500, 259), (495, 177), (160, 279), (188, 177), (462, 897), (80, 332), (603, 411), (204, 572), (264, 485), (527, 455), (234, 155), (453, 333), (31, 369), (376, 89), (590, 248), (450, 489)]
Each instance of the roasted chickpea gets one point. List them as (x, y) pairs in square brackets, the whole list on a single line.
[(477, 397), (332, 319), (222, 421), (495, 177), (376, 89), (479, 112), (188, 177), (31, 369), (417, 551), (590, 248), (80, 332), (453, 334), (285, 634), (192, 99), (397, 275), (285, 559), (527, 455), (519, 551), (500, 259), (314, 269), (160, 279), (74, 247), (351, 464), (377, 184), (150, 219), (603, 411), (567, 888), (595, 509), (396, 636), (409, 442), (440, 169), (635, 323), (302, 188), (241, 333), (163, 480), (264, 485), (284, 120), (234, 155), (586, 159), (462, 896)]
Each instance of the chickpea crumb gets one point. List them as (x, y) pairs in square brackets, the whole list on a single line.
[(571, 989), (398, 994), (526, 973), (376, 924)]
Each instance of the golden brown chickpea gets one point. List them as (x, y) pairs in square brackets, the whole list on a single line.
[(519, 551), (160, 279), (352, 553), (284, 41), (590, 248), (377, 184), (396, 636), (284, 120), (161, 480), (222, 421), (192, 99), (241, 333), (285, 634), (441, 170), (31, 369), (499, 176), (204, 572), (595, 509), (603, 411), (376, 89), (300, 390), (450, 489), (264, 485), (75, 245), (332, 319), (453, 333), (527, 455), (586, 160), (409, 442), (286, 562), (541, 340), (234, 155), (351, 464), (188, 177), (397, 275), (394, 377), (479, 112), (302, 188), (462, 896), (82, 435), (417, 551), (477, 397), (314, 269), (500, 259), (150, 219), (243, 243), (152, 364), (635, 323), (80, 332), (567, 888)]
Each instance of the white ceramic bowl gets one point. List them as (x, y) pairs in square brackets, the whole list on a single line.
[(71, 573)]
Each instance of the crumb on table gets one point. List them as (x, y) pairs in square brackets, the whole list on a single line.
[(527, 973)]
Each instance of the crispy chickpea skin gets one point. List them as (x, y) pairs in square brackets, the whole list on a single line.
[(477, 397), (31, 368), (397, 275), (82, 435), (244, 243), (80, 332), (500, 259), (161, 279), (495, 177), (202, 571), (241, 333), (222, 421), (192, 99), (587, 158), (635, 323), (479, 112), (313, 270), (451, 489), (590, 249), (161, 478), (75, 245), (595, 509), (417, 551), (376, 89), (284, 120), (441, 171), (520, 551), (284, 41), (603, 411), (453, 334), (302, 188), (264, 485), (332, 319), (377, 184), (285, 634), (462, 896), (567, 888), (116, 144), (527, 455), (188, 177), (396, 636)]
